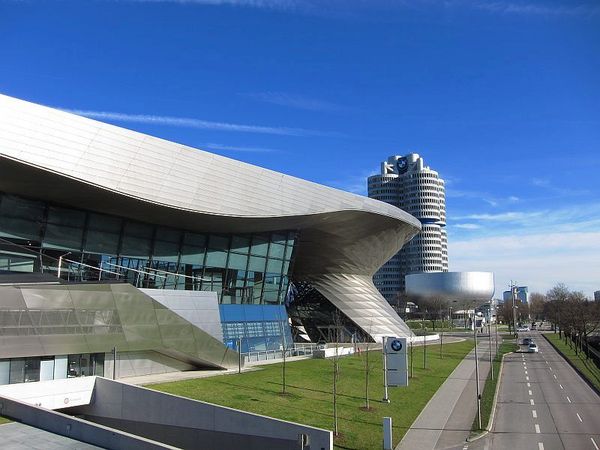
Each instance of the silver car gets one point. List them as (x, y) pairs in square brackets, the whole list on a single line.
[(533, 348)]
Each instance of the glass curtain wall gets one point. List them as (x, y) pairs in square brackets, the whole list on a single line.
[(249, 269)]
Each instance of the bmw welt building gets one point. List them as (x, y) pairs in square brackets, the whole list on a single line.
[(176, 257)]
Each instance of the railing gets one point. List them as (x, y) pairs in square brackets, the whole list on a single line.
[(265, 355), (76, 271)]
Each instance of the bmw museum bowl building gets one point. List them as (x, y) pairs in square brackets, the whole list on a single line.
[(176, 257)]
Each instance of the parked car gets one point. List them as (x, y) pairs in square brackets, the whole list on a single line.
[(533, 348)]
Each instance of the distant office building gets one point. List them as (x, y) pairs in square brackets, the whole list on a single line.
[(522, 294), (407, 183), (597, 296)]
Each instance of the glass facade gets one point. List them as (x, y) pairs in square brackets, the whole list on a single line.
[(249, 272), (26, 370), (242, 269), (256, 328)]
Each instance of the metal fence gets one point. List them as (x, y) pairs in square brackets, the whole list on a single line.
[(265, 355)]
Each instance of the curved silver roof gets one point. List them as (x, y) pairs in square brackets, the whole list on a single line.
[(93, 165), (467, 286)]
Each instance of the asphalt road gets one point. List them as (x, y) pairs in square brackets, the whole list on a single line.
[(543, 404)]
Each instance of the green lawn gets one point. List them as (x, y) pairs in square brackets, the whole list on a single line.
[(489, 389), (309, 384), (586, 366), (4, 420)]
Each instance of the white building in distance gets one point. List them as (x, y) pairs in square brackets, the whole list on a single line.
[(408, 184)]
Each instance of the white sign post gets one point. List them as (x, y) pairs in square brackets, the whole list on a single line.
[(396, 361)]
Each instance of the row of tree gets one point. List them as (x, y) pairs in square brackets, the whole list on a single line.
[(571, 313)]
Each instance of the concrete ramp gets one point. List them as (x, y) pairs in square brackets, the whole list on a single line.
[(113, 414), (186, 423)]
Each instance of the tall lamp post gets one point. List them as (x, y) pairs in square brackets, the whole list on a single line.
[(513, 291), (490, 341), (477, 370)]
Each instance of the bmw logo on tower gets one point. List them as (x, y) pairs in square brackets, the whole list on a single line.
[(402, 165)]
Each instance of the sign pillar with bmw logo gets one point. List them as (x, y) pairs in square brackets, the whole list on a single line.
[(396, 359)]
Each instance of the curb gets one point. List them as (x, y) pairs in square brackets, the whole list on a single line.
[(579, 372), (488, 428)]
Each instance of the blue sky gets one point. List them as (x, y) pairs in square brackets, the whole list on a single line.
[(502, 98)]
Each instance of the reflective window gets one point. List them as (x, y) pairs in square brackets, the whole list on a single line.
[(240, 244), (237, 261), (21, 218), (260, 245), (257, 264), (216, 258), (137, 240)]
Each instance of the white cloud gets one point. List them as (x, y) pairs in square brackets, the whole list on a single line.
[(357, 184), (196, 123), (537, 8), (285, 5), (296, 101), (537, 260), (347, 6), (232, 148), (467, 226), (510, 216), (581, 217)]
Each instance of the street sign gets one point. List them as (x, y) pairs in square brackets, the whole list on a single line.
[(396, 361)]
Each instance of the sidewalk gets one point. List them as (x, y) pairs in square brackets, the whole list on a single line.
[(169, 377), (446, 420)]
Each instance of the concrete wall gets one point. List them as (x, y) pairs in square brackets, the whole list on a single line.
[(134, 364), (75, 428), (184, 423)]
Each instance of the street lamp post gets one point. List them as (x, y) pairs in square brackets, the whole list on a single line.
[(424, 341), (477, 375), (513, 291), (490, 342)]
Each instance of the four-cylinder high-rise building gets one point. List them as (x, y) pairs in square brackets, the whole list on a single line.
[(407, 183)]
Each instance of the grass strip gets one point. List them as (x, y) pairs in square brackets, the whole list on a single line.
[(585, 366), (489, 389), (309, 393)]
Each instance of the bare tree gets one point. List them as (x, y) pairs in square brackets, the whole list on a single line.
[(559, 294), (367, 406), (504, 313), (338, 324), (434, 308), (583, 315), (537, 302)]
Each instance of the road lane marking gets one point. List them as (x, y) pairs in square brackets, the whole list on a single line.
[(530, 393), (531, 402), (579, 417), (568, 399), (528, 384), (534, 413), (537, 428), (525, 372), (594, 442), (554, 375), (550, 368), (540, 446), (527, 378), (561, 386)]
